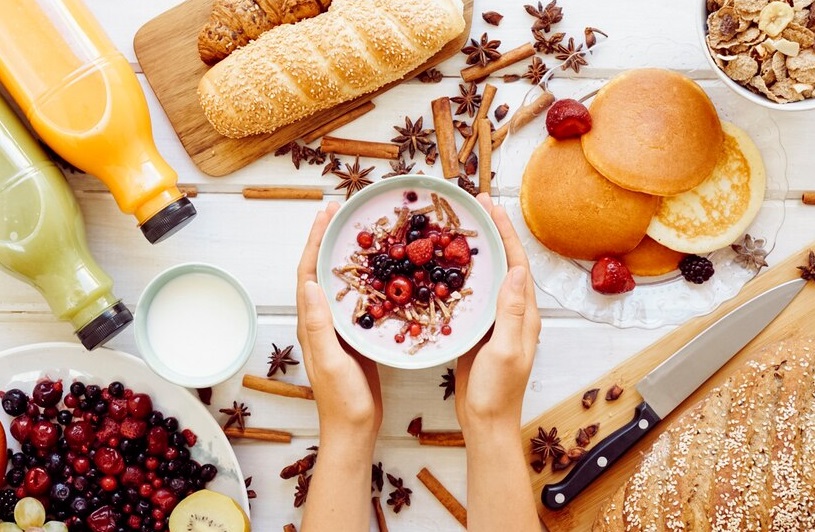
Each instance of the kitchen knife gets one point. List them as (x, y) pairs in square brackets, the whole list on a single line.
[(667, 385)]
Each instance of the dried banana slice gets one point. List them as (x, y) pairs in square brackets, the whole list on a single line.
[(774, 18)]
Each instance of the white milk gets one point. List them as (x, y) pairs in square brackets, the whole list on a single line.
[(197, 324)]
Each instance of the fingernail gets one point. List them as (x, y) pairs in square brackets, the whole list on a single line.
[(311, 293), (517, 278)]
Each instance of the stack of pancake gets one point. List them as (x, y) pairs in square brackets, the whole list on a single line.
[(657, 177)]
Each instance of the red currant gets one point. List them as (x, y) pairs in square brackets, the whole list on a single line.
[(397, 251), (441, 290), (415, 329), (365, 239), (399, 338), (446, 329)]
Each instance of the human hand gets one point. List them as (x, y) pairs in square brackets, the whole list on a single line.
[(346, 385), (497, 371)]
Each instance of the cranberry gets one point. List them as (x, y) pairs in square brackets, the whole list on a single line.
[(82, 465), (108, 483), (109, 461), (164, 499), (140, 405), (157, 441), (446, 329), (44, 435), (397, 251), (79, 435), (15, 402), (399, 338), (365, 239), (37, 481), (21, 428), (47, 392), (377, 284), (441, 290), (132, 476), (103, 519)]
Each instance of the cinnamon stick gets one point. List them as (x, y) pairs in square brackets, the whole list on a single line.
[(441, 439), (446, 498), (336, 123), (271, 435), (191, 191), (307, 193), (513, 56), (445, 137), (523, 116), (289, 528), (363, 148), (808, 198), (380, 514), (484, 155), (275, 387), (486, 101)]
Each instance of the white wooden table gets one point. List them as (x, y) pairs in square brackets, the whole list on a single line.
[(246, 238)]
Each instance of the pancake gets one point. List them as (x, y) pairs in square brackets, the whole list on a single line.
[(651, 258), (653, 131), (717, 212), (574, 211)]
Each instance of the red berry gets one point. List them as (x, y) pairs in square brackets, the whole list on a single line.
[(434, 237), (365, 239), (82, 465), (44, 435), (108, 483), (378, 284), (37, 481), (388, 305), (458, 251), (47, 392), (399, 338), (21, 428), (377, 311), (420, 251), (132, 477), (146, 490), (420, 275), (140, 405), (441, 290), (103, 519), (397, 251), (444, 240), (446, 329), (132, 429), (158, 440), (399, 290), (164, 499), (117, 409), (109, 461), (567, 118), (190, 437), (415, 329), (610, 276)]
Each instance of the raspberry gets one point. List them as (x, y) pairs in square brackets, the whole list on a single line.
[(696, 269), (458, 251), (610, 276), (420, 251), (567, 118)]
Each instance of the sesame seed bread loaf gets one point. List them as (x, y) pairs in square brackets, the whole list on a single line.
[(741, 459), (294, 70)]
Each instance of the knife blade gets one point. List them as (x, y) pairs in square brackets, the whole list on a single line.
[(670, 383)]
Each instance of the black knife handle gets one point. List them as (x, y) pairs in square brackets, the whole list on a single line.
[(599, 458)]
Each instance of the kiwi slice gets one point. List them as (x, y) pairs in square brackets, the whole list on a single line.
[(209, 511)]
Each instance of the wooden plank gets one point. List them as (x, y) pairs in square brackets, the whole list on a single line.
[(167, 50), (569, 415)]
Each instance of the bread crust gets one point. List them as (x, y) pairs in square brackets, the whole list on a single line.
[(295, 70), (742, 459)]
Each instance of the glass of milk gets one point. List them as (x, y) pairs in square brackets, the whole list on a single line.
[(195, 325)]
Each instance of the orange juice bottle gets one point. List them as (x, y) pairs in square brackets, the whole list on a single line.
[(83, 99)]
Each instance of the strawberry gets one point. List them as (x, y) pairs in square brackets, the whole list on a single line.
[(458, 251), (132, 428), (420, 251), (107, 429), (610, 276), (567, 118)]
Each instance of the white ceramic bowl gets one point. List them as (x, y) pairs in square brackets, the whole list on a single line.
[(472, 318), (195, 325), (803, 105)]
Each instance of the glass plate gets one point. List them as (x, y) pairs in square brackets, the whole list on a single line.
[(656, 301), (23, 366)]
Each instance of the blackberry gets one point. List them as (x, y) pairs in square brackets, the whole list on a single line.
[(383, 266), (696, 269), (7, 501)]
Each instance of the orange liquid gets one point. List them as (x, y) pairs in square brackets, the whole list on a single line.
[(83, 99)]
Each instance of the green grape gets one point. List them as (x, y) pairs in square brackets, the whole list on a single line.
[(29, 512), (54, 526), (9, 527)]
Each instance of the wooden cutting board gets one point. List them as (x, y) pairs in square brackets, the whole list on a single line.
[(167, 50), (569, 415)]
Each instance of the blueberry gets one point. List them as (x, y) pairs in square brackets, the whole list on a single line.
[(15, 402), (171, 424), (366, 321), (454, 278), (423, 294), (64, 417), (474, 251), (414, 234), (437, 275), (418, 221), (77, 388), (60, 492), (116, 389), (430, 265)]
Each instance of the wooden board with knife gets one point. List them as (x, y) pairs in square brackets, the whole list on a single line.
[(570, 415), (167, 50)]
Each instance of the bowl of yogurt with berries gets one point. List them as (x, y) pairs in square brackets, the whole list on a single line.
[(411, 267)]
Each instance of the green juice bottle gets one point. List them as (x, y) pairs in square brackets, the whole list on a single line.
[(42, 238)]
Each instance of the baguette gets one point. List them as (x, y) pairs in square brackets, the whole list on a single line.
[(294, 70), (741, 459)]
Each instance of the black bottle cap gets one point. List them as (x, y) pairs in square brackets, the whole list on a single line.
[(168, 220), (105, 326)]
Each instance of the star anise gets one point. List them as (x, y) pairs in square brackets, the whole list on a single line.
[(301, 466), (544, 44), (546, 16), (400, 167), (591, 38), (469, 101), (353, 179), (448, 382), (412, 137), (750, 252), (332, 165), (237, 414), (431, 75), (296, 152), (377, 477), (301, 491), (432, 154), (808, 271), (250, 493), (313, 155), (572, 57), (400, 496), (279, 359), (547, 445), (536, 70), (483, 51), (467, 185)]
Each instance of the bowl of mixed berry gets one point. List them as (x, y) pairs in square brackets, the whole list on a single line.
[(411, 267)]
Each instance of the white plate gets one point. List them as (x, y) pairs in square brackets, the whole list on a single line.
[(664, 300), (23, 366)]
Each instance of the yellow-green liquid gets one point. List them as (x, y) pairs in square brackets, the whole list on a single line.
[(42, 234)]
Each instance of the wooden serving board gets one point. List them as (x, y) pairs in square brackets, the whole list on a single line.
[(167, 50), (569, 415)]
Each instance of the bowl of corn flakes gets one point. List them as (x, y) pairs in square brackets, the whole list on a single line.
[(763, 50)]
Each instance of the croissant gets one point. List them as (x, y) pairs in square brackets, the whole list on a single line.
[(741, 459), (294, 70), (233, 23)]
